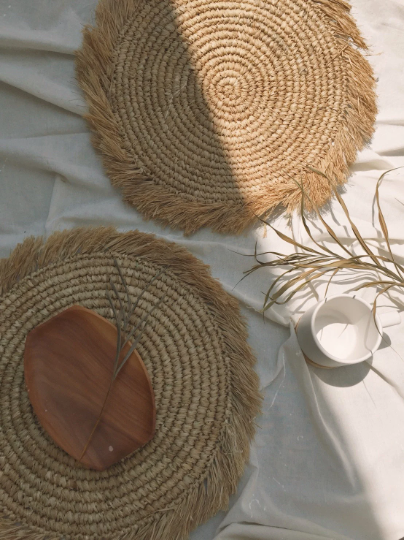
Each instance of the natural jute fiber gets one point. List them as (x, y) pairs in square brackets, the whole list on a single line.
[(201, 368), (207, 112)]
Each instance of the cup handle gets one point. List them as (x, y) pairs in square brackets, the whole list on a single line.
[(392, 318)]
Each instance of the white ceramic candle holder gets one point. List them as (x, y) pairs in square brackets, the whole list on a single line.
[(341, 330)]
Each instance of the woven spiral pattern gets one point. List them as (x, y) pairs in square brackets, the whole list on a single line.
[(187, 358), (220, 103), (214, 116)]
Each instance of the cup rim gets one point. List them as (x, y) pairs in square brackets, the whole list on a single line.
[(328, 354)]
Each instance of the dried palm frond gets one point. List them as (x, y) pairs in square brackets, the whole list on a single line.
[(311, 263)]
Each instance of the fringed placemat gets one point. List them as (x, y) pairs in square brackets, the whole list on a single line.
[(207, 112), (201, 368)]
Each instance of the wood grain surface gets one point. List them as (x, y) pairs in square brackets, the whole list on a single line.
[(68, 363)]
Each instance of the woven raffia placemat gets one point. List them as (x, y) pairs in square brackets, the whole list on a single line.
[(201, 369), (207, 112)]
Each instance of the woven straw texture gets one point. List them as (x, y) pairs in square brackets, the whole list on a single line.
[(201, 369), (207, 112)]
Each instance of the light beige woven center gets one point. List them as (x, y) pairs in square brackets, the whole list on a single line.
[(41, 486), (217, 99)]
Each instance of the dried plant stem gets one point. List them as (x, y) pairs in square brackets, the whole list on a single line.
[(312, 263), (90, 438), (122, 320)]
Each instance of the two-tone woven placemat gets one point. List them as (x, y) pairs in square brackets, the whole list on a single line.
[(207, 112), (201, 369)]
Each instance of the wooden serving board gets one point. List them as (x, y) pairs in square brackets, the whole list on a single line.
[(68, 364)]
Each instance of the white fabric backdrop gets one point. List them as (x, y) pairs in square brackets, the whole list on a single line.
[(328, 460)]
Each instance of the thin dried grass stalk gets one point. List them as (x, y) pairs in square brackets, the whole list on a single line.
[(312, 263), (122, 321)]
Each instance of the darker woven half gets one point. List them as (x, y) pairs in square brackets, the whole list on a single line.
[(207, 112), (201, 369)]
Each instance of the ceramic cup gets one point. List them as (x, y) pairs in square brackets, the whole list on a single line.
[(341, 330)]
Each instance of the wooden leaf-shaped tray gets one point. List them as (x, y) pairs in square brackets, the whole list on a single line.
[(68, 363)]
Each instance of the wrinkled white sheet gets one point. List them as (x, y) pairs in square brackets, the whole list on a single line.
[(328, 460)]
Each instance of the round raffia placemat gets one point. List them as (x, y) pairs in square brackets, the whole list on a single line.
[(207, 112), (201, 369)]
